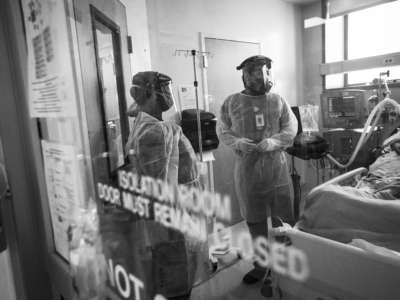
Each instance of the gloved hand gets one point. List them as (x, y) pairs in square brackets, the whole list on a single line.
[(245, 145), (265, 145)]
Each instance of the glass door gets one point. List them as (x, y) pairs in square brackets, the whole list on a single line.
[(106, 37), (50, 96), (105, 67)]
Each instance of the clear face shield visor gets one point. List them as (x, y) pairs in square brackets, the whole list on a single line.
[(163, 90), (166, 95), (259, 78), (264, 73)]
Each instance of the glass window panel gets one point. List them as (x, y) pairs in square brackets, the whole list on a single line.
[(334, 40), (374, 31), (367, 76), (107, 65), (334, 81)]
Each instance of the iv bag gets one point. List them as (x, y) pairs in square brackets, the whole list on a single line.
[(309, 115)]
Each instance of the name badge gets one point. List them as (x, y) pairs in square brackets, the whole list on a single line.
[(260, 123)]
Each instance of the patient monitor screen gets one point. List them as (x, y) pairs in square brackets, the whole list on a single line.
[(341, 107)]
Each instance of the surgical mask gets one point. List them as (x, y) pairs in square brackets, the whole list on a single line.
[(257, 79)]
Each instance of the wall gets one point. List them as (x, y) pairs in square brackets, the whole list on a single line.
[(175, 24), (311, 83), (136, 13), (312, 56)]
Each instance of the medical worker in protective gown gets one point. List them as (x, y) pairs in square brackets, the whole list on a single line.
[(258, 125), (158, 148), (168, 261)]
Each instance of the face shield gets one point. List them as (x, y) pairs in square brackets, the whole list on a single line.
[(257, 78), (152, 85), (165, 95)]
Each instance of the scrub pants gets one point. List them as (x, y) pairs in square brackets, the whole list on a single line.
[(260, 229), (256, 230)]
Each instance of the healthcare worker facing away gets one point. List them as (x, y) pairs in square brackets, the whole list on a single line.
[(159, 149), (258, 125)]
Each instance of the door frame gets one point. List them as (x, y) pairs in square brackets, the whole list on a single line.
[(39, 273), (91, 99), (202, 43), (25, 224), (96, 14)]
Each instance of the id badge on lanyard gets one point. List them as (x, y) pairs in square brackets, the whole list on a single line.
[(259, 118)]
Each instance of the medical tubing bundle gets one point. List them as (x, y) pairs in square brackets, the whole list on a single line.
[(365, 134)]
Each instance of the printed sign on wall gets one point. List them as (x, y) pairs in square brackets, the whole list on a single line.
[(187, 97), (51, 81), (63, 190)]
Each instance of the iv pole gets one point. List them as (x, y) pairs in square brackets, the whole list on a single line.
[(195, 83), (194, 53), (220, 248)]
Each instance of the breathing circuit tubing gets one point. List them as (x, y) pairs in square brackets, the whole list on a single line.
[(365, 134)]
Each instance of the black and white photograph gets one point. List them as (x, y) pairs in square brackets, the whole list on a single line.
[(199, 150)]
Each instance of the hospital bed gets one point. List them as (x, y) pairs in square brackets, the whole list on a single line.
[(338, 270)]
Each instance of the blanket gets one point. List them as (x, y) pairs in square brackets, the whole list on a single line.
[(345, 213)]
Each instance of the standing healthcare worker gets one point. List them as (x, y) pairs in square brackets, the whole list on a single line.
[(258, 125), (160, 150)]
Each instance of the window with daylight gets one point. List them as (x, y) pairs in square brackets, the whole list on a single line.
[(362, 34)]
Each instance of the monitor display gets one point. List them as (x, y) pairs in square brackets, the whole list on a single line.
[(344, 109)]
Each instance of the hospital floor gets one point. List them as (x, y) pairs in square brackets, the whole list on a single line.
[(226, 284)]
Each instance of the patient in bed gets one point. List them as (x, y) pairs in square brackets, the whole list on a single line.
[(370, 210), (383, 178)]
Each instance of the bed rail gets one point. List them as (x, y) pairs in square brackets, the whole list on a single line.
[(340, 178)]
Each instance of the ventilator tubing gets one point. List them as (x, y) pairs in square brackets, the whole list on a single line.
[(367, 131)]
